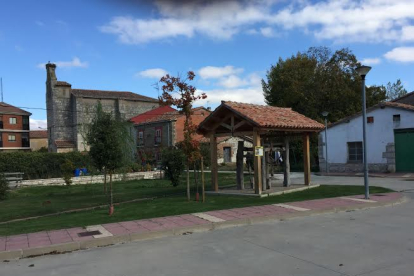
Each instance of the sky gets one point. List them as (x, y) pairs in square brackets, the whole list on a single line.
[(127, 45)]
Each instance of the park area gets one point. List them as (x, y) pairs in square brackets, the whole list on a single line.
[(33, 209)]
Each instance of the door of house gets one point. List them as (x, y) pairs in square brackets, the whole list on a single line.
[(227, 154), (404, 150)]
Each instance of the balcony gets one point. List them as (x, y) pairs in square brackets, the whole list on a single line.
[(25, 144), (1, 124)]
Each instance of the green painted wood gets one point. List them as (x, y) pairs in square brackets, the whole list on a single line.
[(404, 150)]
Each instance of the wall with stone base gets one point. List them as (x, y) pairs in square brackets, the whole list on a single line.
[(92, 179), (354, 168)]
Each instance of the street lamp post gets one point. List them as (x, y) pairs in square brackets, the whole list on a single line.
[(325, 115), (362, 72)]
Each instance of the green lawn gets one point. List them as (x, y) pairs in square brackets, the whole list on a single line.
[(169, 200)]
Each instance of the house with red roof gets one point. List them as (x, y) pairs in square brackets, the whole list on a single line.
[(38, 140), (14, 128)]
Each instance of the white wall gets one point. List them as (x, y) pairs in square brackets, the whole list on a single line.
[(379, 134)]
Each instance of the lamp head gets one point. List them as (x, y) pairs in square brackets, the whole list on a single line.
[(363, 70), (325, 113)]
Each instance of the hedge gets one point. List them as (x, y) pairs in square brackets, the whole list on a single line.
[(37, 165)]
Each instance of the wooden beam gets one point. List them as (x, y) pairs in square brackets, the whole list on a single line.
[(226, 126), (214, 169), (239, 165), (257, 164), (286, 171), (263, 160), (243, 133), (306, 159), (239, 124)]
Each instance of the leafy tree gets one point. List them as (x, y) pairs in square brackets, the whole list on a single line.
[(4, 187), (67, 169), (318, 80), (395, 90), (176, 91), (110, 143)]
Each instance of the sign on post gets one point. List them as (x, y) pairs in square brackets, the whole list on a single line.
[(258, 151)]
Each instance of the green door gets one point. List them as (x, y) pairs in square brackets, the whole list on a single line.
[(404, 150)]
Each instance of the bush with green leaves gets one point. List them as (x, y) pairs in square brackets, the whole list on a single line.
[(67, 169), (173, 162), (4, 187)]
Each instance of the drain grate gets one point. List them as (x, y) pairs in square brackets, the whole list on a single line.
[(89, 233)]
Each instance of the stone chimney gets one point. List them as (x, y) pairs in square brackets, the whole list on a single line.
[(50, 70)]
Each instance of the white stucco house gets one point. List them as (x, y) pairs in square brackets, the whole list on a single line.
[(390, 140)]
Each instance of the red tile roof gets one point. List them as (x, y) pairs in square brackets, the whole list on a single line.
[(103, 94), (273, 117), (142, 118), (38, 134), (64, 144), (406, 99), (6, 108)]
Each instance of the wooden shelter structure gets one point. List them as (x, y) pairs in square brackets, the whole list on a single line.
[(263, 123)]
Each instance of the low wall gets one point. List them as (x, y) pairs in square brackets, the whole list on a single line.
[(353, 168), (92, 179)]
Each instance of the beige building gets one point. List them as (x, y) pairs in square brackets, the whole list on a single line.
[(38, 139)]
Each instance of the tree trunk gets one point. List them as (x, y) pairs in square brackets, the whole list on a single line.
[(202, 180), (188, 180), (105, 181), (110, 183)]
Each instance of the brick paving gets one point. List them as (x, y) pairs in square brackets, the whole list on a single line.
[(46, 238)]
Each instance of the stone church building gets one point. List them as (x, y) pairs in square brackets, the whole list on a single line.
[(70, 110)]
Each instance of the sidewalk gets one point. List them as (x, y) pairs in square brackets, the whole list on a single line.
[(66, 240)]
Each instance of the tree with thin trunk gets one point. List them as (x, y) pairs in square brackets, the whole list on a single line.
[(109, 142), (176, 91)]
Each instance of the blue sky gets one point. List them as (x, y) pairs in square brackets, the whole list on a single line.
[(127, 45)]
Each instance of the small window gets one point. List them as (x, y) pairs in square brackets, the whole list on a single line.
[(140, 137), (13, 121), (355, 152), (396, 117), (370, 120), (12, 138), (158, 135)]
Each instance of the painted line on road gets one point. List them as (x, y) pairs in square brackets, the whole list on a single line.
[(359, 199), (300, 209), (207, 217), (100, 228)]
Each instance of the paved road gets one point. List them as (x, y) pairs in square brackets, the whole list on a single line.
[(369, 242)]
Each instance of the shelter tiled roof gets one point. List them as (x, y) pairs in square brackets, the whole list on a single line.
[(273, 117), (144, 117), (6, 108), (104, 94), (64, 144), (38, 134)]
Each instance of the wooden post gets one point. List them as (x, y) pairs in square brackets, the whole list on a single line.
[(257, 165), (286, 171), (203, 195), (214, 169), (263, 167), (239, 165), (268, 183), (271, 161), (306, 159)]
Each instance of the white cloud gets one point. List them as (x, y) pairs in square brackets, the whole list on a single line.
[(212, 72), (252, 94), (338, 20), (75, 62), (408, 33), (37, 124), (401, 54), (371, 61), (155, 73)]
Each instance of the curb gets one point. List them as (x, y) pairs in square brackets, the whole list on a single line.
[(132, 237)]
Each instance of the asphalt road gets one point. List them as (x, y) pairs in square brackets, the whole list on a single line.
[(369, 242)]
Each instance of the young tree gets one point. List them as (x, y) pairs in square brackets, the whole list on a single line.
[(176, 91), (395, 90), (109, 140)]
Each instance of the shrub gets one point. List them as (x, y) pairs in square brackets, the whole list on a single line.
[(172, 163), (36, 165), (4, 187), (67, 169)]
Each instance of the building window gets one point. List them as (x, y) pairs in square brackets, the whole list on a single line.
[(25, 121), (12, 138), (396, 118), (1, 122), (140, 137), (355, 152), (158, 135), (25, 140), (370, 120), (13, 120)]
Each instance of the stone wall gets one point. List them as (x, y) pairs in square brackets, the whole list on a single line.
[(354, 168), (92, 179), (389, 154)]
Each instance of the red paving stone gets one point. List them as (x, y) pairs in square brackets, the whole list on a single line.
[(46, 238)]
